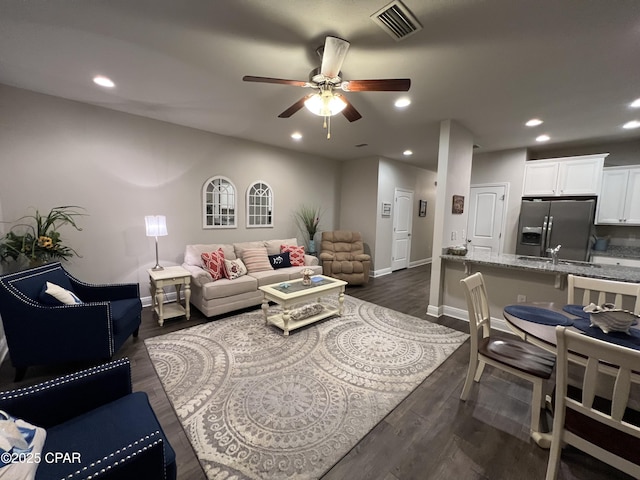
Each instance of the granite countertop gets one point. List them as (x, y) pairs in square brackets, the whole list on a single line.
[(619, 251), (518, 262)]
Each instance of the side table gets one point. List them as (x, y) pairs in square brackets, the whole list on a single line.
[(178, 277)]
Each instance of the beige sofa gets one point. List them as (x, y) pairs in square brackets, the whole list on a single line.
[(224, 295)]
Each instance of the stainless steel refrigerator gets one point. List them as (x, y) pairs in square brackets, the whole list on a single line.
[(547, 223)]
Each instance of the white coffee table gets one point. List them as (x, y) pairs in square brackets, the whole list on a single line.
[(296, 293)]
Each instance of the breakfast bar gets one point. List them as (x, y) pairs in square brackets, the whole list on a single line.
[(515, 279)]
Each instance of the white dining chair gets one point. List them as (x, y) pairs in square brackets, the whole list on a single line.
[(598, 291), (590, 423), (509, 354)]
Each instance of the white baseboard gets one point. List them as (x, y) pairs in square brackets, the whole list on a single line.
[(168, 297), (418, 263), (381, 272), (462, 314), (387, 271)]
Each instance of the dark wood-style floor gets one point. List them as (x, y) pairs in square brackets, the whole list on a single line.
[(430, 435)]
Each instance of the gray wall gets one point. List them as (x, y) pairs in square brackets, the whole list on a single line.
[(506, 166), (121, 167), (392, 175), (368, 182)]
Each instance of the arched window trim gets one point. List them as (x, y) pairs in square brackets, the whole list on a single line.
[(265, 213), (226, 209)]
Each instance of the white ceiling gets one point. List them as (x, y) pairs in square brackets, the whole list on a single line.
[(488, 64)]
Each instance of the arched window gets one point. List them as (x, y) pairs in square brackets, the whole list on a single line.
[(259, 205), (219, 201)]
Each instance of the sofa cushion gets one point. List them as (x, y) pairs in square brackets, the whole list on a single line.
[(273, 246), (193, 253), (256, 259), (120, 423), (296, 254), (272, 276), (226, 288), (296, 272), (240, 247), (234, 269), (213, 262), (280, 260)]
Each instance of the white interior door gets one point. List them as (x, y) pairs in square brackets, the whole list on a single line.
[(402, 221), (486, 218)]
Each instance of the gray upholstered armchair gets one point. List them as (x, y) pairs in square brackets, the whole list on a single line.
[(342, 256)]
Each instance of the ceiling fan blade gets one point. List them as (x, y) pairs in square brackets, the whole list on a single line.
[(335, 49), (350, 111), (295, 107), (382, 85), (295, 83)]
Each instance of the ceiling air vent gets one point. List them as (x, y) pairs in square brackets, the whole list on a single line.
[(396, 20)]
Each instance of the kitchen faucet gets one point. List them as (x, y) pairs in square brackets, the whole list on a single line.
[(554, 254)]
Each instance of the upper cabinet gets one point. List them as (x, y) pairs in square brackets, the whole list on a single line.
[(563, 176), (619, 201)]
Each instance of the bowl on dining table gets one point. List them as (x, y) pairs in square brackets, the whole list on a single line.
[(615, 320)]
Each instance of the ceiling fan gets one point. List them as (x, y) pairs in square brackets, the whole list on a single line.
[(327, 102)]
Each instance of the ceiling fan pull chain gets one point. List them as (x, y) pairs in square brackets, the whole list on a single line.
[(328, 125)]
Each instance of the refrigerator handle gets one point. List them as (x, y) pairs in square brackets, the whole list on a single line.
[(544, 237), (549, 228)]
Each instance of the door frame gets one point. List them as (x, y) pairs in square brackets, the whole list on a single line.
[(506, 186)]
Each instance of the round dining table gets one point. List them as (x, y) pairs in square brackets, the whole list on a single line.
[(536, 323)]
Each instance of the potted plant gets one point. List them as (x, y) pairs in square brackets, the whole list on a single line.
[(308, 220), (36, 237)]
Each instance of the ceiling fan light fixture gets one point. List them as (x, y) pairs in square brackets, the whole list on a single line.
[(325, 104)]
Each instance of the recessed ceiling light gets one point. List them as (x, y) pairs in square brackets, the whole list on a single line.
[(103, 81), (631, 124), (407, 153), (402, 102), (543, 138), (635, 103), (534, 122), (296, 135)]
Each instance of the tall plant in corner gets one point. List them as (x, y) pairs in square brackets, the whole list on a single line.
[(308, 220), (36, 236)]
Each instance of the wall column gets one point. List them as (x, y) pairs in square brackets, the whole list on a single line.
[(454, 178)]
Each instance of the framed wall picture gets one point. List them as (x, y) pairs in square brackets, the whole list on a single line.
[(457, 204), (422, 208), (386, 209)]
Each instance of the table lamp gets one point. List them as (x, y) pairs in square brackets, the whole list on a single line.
[(156, 227)]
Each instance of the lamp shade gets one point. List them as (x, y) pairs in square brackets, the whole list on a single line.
[(156, 225), (325, 104)]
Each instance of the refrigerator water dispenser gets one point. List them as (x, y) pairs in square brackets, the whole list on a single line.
[(531, 236)]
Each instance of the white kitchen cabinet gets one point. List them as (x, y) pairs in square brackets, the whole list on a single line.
[(624, 262), (565, 176), (619, 201)]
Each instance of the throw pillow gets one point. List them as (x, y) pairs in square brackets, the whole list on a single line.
[(64, 296), (234, 268), (296, 254), (214, 263), (281, 260), (19, 440), (256, 259)]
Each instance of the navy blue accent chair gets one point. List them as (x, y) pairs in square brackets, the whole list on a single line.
[(94, 413), (42, 331)]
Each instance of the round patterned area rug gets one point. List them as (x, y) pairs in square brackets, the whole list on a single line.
[(258, 405)]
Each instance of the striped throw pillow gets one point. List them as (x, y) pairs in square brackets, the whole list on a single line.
[(256, 259)]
